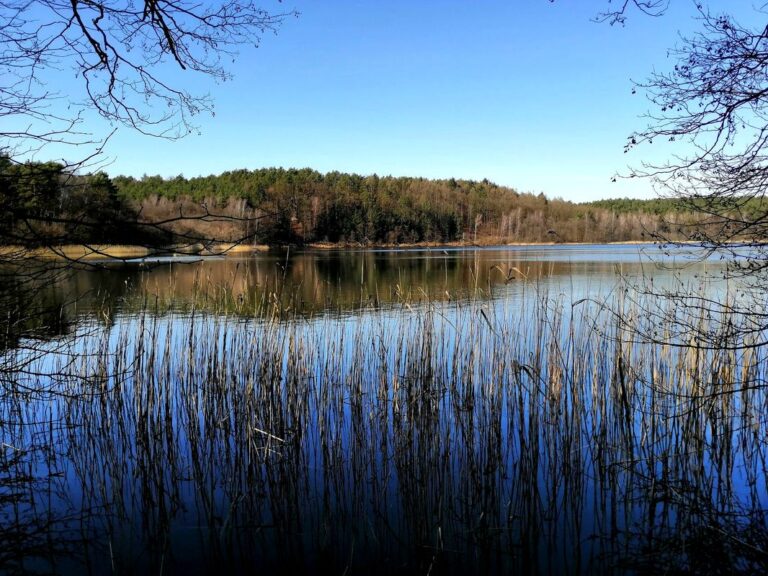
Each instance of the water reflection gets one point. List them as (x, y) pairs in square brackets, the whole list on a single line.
[(493, 434), (314, 282)]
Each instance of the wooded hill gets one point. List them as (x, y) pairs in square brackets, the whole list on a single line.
[(305, 206), (45, 204)]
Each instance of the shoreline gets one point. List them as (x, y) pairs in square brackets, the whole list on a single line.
[(459, 244), (90, 252)]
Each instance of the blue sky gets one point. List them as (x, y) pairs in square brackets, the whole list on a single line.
[(527, 93)]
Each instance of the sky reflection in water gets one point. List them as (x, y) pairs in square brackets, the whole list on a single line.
[(408, 411)]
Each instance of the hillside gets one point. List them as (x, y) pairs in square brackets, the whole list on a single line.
[(305, 206), (46, 205)]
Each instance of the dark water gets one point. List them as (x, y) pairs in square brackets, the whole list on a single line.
[(420, 412)]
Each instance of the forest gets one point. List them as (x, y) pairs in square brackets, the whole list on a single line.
[(276, 205), (45, 205)]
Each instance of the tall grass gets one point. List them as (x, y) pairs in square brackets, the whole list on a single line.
[(469, 437)]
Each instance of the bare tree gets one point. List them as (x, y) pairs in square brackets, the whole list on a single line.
[(120, 52), (711, 110), (710, 114), (122, 55), (714, 102)]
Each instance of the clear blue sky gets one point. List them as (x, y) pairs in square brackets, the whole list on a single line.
[(526, 93)]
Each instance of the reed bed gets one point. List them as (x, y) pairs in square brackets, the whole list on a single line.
[(482, 436)]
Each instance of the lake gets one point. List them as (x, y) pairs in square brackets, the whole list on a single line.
[(482, 410), (328, 282)]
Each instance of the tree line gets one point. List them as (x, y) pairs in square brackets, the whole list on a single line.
[(305, 206), (47, 205)]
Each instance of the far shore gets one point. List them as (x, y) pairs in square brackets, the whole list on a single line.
[(82, 252), (458, 244), (92, 252)]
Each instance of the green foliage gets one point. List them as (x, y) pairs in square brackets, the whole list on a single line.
[(305, 205), (30, 196), (44, 204), (629, 205), (278, 206)]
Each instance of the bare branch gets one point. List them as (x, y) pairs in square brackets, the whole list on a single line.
[(118, 51)]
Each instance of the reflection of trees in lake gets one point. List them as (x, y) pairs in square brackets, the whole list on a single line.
[(317, 281), (278, 282), (308, 281)]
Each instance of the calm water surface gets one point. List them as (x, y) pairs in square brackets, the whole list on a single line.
[(328, 282), (415, 411)]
